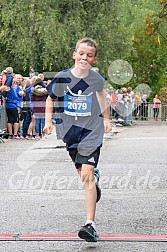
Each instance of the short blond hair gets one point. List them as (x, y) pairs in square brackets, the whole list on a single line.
[(89, 41), (9, 70)]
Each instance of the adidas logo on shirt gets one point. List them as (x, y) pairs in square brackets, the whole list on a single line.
[(92, 160)]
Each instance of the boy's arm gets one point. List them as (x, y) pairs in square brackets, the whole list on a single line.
[(104, 109), (48, 115)]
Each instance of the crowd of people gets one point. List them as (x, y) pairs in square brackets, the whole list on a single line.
[(24, 100), (125, 105)]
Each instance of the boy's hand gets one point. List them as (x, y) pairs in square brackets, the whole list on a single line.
[(107, 125), (48, 128)]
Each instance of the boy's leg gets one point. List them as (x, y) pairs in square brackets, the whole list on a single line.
[(87, 173), (87, 177), (88, 231)]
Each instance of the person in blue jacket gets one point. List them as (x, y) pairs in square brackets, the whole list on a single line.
[(13, 97)]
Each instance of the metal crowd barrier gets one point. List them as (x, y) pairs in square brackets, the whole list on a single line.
[(147, 113), (138, 111), (3, 117), (3, 121)]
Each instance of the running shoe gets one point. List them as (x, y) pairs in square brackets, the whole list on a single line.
[(88, 233), (98, 188)]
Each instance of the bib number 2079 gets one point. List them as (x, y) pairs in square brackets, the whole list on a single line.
[(77, 105)]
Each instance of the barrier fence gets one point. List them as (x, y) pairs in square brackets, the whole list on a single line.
[(137, 112), (3, 117), (148, 113)]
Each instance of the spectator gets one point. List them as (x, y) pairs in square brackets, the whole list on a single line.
[(25, 117), (120, 105), (144, 108), (12, 98), (38, 98), (18, 78), (129, 97), (113, 103), (137, 105), (156, 104), (31, 129)]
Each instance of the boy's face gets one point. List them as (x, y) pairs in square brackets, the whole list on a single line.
[(84, 56)]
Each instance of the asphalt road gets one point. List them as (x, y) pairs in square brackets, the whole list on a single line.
[(41, 193)]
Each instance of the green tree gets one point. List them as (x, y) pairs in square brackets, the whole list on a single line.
[(41, 35), (30, 33)]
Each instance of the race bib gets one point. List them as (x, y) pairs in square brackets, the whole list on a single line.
[(78, 105)]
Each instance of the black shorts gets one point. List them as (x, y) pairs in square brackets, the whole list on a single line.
[(78, 159), (13, 115)]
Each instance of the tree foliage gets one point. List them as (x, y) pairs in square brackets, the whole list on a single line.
[(41, 34)]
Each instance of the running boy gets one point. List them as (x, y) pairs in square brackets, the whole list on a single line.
[(84, 116)]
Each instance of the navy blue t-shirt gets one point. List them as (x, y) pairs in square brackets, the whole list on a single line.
[(77, 105)]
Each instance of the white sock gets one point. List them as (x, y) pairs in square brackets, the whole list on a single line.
[(92, 223)]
